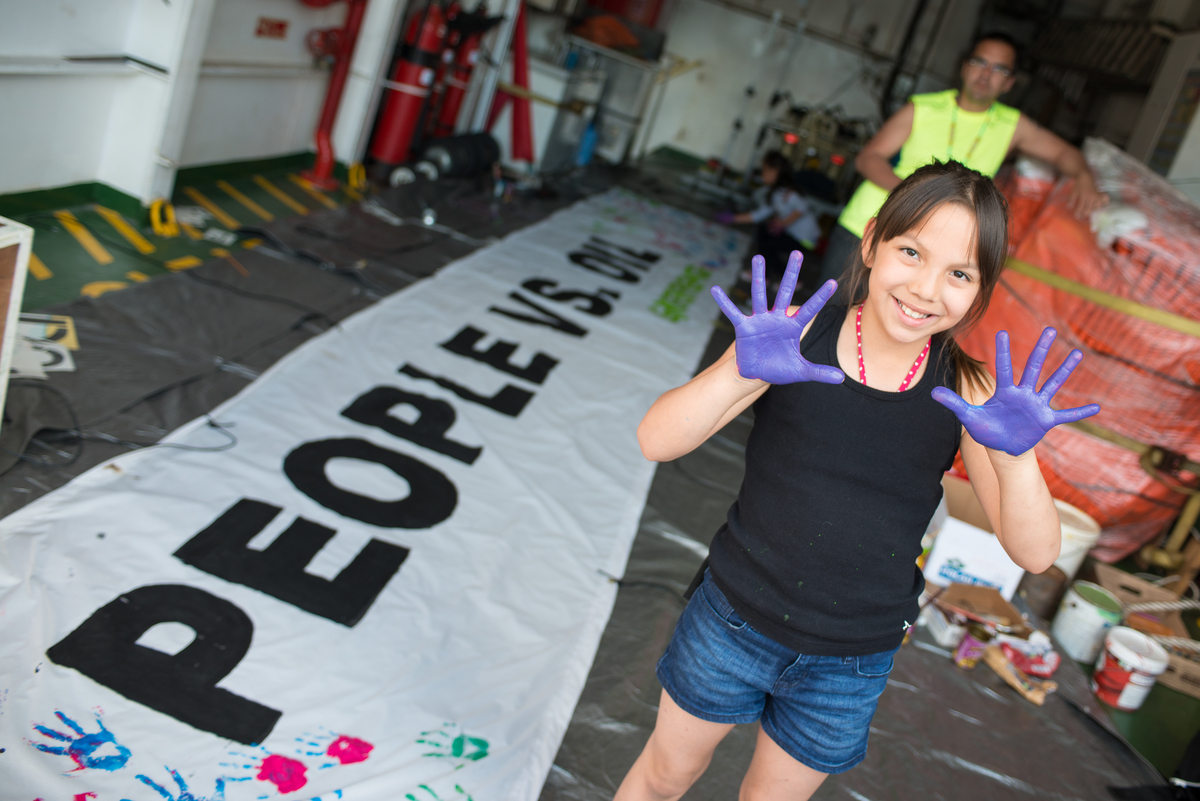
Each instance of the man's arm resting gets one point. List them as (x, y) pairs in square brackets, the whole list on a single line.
[(1034, 140), (874, 160)]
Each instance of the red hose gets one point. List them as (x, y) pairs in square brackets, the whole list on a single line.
[(321, 175)]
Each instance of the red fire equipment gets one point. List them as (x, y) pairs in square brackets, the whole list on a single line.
[(437, 92), (340, 45), (471, 29), (410, 84)]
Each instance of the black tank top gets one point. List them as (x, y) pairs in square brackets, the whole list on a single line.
[(819, 550)]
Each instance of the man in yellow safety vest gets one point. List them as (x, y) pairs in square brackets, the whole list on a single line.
[(966, 125)]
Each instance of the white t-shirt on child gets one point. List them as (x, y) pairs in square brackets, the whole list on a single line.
[(781, 203)]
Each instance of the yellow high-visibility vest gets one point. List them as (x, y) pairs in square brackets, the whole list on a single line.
[(930, 140)]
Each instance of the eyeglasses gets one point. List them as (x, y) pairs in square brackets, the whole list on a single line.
[(1002, 70)]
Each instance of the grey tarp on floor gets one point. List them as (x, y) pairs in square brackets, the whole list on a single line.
[(159, 354)]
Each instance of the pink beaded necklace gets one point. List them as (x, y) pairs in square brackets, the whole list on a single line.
[(862, 368)]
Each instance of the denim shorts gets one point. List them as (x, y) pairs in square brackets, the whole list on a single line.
[(816, 708)]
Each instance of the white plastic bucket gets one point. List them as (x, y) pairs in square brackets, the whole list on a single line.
[(1127, 668), (1085, 615), (1079, 535)]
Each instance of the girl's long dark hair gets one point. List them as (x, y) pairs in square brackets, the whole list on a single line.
[(906, 208)]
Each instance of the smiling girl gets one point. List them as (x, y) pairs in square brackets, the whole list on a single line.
[(859, 410)]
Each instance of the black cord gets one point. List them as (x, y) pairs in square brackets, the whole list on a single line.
[(271, 340), (222, 427), (77, 433), (73, 458)]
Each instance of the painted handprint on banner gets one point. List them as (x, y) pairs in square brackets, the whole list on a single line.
[(99, 750), (184, 793), (285, 773), (289, 774), (426, 793), (452, 743), (341, 748)]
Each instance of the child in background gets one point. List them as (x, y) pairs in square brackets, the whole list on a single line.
[(812, 581), (785, 221)]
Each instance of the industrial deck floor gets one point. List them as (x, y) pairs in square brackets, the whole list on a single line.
[(161, 352)]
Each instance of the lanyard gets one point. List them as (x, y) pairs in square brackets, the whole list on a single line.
[(954, 124)]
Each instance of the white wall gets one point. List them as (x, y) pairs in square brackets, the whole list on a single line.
[(64, 27), (219, 95), (82, 122), (257, 97), (699, 107)]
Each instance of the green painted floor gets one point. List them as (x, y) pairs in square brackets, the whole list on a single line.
[(100, 254)]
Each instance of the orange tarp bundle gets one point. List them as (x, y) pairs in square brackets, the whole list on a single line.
[(1143, 375)]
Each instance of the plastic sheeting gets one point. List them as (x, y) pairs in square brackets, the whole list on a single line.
[(1146, 248), (926, 749), (426, 632)]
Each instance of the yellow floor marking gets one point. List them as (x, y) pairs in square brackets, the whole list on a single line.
[(313, 192), (39, 269), (352, 193), (139, 277), (183, 263), (126, 230), (283, 197), (97, 288), (220, 253), (191, 231), (234, 193), (250, 244), (84, 237), (222, 216)]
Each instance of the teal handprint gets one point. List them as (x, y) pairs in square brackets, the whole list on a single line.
[(451, 742)]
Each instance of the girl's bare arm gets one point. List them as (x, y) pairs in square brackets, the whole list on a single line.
[(684, 417)]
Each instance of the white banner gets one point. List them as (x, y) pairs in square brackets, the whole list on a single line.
[(394, 584)]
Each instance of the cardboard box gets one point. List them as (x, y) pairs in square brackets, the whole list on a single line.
[(966, 551), (983, 605), (1182, 674)]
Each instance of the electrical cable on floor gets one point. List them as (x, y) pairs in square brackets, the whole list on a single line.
[(74, 426), (77, 433), (311, 258), (239, 357)]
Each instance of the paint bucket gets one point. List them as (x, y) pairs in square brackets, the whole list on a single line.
[(1079, 535), (1127, 668), (1086, 613)]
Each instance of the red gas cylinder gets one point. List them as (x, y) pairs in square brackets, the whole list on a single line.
[(471, 28), (437, 92), (410, 84)]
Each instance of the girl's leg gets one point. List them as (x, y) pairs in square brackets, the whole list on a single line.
[(679, 749), (774, 775)]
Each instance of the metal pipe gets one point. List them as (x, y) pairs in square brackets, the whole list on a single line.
[(321, 175), (885, 102)]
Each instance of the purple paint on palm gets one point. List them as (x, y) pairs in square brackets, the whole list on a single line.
[(1016, 417)]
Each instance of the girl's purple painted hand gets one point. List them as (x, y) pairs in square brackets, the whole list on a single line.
[(768, 342), (1016, 418), (725, 217)]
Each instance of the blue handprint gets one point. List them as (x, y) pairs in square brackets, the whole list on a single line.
[(768, 342), (184, 793), (82, 748), (1016, 417)]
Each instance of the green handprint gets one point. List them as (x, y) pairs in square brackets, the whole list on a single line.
[(451, 742), (426, 793)]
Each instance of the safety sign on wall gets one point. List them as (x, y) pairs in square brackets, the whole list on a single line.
[(393, 586)]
